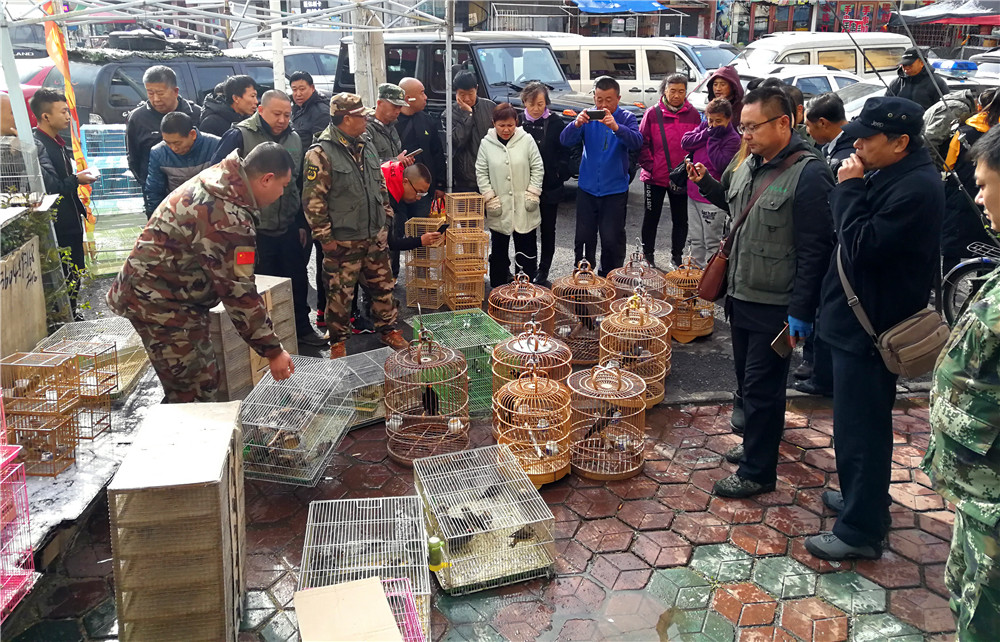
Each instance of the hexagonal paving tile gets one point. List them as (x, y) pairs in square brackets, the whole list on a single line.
[(575, 595), (701, 528), (712, 627), (722, 563), (736, 511), (621, 571), (851, 593), (634, 488), (605, 535), (680, 587), (921, 608), (940, 523), (915, 497), (571, 556), (792, 520), (919, 546), (806, 438), (822, 459), (785, 578), (662, 549), (667, 472), (593, 503), (646, 514), (797, 550), (698, 458), (883, 627), (891, 571), (766, 634), (744, 604), (523, 620), (758, 539), (683, 497), (813, 619)]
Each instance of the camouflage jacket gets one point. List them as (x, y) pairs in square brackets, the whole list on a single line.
[(963, 459), (344, 195), (385, 138), (198, 249)]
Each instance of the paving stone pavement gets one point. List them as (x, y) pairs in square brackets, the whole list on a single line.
[(655, 557)]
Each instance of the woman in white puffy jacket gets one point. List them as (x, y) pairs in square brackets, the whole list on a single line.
[(509, 171)]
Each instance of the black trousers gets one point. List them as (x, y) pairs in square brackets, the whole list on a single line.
[(864, 392), (651, 219), (549, 212), (76, 267), (525, 256), (402, 212), (817, 352), (283, 255), (604, 215), (320, 281), (760, 377)]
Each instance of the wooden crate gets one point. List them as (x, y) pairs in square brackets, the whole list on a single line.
[(428, 294), (463, 290), (467, 249), (464, 210)]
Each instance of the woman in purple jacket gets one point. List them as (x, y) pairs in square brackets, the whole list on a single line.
[(665, 122), (713, 144)]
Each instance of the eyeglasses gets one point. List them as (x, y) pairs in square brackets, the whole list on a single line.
[(420, 195), (752, 129)]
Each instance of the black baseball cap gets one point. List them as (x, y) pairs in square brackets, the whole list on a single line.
[(910, 56), (887, 115)]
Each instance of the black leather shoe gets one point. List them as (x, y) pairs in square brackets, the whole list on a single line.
[(736, 487), (738, 420), (734, 454), (810, 388), (803, 371)]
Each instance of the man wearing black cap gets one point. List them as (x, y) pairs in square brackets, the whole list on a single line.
[(917, 82), (887, 211), (471, 118)]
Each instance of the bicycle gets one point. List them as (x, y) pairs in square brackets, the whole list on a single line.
[(965, 279)]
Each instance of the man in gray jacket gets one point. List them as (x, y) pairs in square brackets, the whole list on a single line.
[(471, 118)]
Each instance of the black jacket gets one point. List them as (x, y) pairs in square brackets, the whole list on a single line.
[(142, 132), (889, 228), (467, 132), (59, 176), (420, 131), (555, 157), (311, 118), (218, 117), (920, 88), (841, 150), (962, 223)]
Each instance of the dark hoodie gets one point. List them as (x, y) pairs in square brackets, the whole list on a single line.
[(217, 117), (920, 88), (729, 74)]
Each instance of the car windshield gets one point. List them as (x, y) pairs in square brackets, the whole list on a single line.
[(713, 57), (988, 69), (518, 65), (858, 90), (758, 56)]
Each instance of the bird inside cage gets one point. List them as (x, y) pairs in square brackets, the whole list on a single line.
[(639, 343), (692, 316), (583, 299)]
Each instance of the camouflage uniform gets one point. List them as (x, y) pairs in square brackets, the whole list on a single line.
[(963, 461), (384, 137), (347, 206), (197, 250)]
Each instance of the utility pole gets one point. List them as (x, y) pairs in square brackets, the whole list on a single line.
[(278, 49), (368, 56), (449, 19), (18, 106)]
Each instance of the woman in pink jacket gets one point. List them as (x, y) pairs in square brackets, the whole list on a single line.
[(662, 127)]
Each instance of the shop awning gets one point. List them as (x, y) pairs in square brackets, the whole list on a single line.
[(966, 12), (618, 6)]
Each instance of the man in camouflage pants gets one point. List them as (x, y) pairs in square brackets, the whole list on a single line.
[(347, 206), (963, 458), (199, 249)]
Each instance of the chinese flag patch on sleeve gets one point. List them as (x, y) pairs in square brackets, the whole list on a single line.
[(245, 257)]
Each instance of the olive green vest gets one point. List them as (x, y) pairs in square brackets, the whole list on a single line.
[(277, 217), (385, 138), (762, 265), (354, 202)]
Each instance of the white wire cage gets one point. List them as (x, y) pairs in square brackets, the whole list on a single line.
[(20, 174), (354, 539), (495, 526), (116, 191), (291, 427), (363, 385)]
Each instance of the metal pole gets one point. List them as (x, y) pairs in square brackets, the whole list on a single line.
[(278, 49), (449, 34)]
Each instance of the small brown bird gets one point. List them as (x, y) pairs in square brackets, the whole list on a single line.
[(520, 535)]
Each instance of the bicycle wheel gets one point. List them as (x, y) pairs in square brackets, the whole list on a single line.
[(962, 283)]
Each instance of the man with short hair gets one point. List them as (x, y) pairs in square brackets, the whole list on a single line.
[(471, 118), (602, 196), (181, 155), (347, 205), (407, 184), (142, 126), (917, 82), (382, 124), (825, 120), (777, 261), (311, 109), (239, 100), (887, 211), (198, 250), (282, 232)]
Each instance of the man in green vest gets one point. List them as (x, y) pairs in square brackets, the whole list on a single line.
[(347, 205), (282, 233), (780, 253)]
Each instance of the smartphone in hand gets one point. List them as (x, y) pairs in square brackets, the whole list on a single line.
[(595, 114), (782, 343)]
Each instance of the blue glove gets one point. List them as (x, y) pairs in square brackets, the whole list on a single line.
[(799, 328)]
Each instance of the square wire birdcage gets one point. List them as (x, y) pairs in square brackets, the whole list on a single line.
[(93, 416), (399, 594), (464, 210), (48, 443), (291, 427), (39, 384), (473, 333), (21, 181), (116, 190), (463, 290), (363, 385), (354, 539), (428, 295), (466, 249), (495, 526), (98, 363), (17, 563)]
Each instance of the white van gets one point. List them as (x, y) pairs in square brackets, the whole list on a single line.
[(638, 64), (883, 51)]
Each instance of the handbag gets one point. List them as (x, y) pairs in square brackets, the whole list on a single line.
[(713, 283), (911, 347), (677, 182)]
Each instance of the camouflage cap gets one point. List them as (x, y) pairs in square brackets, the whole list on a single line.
[(345, 104), (393, 94)]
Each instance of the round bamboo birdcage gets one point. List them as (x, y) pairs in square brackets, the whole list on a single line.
[(608, 423), (639, 343), (637, 271), (512, 357), (583, 299), (693, 317), (532, 417), (659, 309), (426, 400), (516, 303)]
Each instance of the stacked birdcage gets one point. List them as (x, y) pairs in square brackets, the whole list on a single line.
[(583, 299), (21, 182), (474, 334), (116, 191), (637, 271), (608, 423), (131, 354), (639, 343), (426, 400), (466, 251), (531, 348), (41, 395), (362, 385), (98, 364), (693, 317), (495, 527), (424, 266), (656, 307), (17, 561), (354, 539), (520, 301), (291, 427), (531, 416)]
